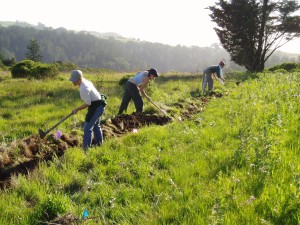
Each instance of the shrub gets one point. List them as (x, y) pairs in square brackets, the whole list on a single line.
[(9, 62), (286, 66), (283, 71), (43, 71), (22, 69), (65, 66), (124, 79), (30, 69)]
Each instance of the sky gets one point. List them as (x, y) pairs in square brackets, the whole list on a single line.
[(172, 22)]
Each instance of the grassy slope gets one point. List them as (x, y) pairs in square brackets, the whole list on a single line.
[(27, 105), (235, 163)]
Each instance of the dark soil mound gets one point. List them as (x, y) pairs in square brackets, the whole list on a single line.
[(127, 123), (22, 156)]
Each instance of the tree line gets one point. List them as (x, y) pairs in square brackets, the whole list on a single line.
[(89, 51)]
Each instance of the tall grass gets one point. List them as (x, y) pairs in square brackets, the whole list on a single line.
[(234, 163)]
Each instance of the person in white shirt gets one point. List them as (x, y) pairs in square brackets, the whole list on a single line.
[(95, 103)]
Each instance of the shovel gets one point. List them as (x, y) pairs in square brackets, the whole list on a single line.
[(162, 111), (44, 133)]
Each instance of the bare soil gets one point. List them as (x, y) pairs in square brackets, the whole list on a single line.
[(23, 156), (122, 124)]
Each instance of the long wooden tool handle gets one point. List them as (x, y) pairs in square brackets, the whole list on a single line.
[(62, 120), (158, 107)]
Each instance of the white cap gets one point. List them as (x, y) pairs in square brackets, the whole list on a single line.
[(75, 75)]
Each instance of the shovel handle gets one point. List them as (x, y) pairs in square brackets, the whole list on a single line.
[(62, 120), (163, 112)]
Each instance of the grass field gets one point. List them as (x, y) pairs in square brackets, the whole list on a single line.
[(236, 162)]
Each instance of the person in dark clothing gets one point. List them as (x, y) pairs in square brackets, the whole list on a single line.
[(215, 71), (135, 87)]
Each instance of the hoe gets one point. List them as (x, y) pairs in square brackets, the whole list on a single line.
[(162, 111), (44, 133)]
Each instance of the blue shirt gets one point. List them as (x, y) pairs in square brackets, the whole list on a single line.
[(214, 69)]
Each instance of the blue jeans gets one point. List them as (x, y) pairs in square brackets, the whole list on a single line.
[(93, 126)]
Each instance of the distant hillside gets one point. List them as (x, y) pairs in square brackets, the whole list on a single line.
[(18, 23), (41, 26), (108, 34), (111, 50)]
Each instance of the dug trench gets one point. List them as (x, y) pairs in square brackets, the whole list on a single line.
[(22, 156)]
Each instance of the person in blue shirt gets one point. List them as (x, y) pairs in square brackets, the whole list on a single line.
[(135, 87), (215, 71)]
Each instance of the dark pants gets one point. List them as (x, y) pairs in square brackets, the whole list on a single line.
[(131, 92)]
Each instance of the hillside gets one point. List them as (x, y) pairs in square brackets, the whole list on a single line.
[(41, 26), (89, 49)]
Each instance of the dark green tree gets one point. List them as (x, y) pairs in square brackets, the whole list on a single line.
[(33, 51), (251, 30)]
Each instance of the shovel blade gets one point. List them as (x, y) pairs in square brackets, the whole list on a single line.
[(42, 133)]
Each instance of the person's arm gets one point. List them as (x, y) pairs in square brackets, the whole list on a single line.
[(83, 106), (85, 96), (220, 73), (214, 76), (143, 86)]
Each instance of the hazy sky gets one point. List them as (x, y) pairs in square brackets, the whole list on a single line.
[(170, 22)]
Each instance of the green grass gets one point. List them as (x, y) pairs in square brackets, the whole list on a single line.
[(237, 162)]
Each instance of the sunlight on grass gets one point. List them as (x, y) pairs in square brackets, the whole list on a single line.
[(235, 162)]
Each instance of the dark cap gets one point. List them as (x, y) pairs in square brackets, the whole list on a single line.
[(222, 63), (153, 72)]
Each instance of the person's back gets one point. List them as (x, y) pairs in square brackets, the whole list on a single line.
[(214, 69), (88, 92), (139, 78)]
